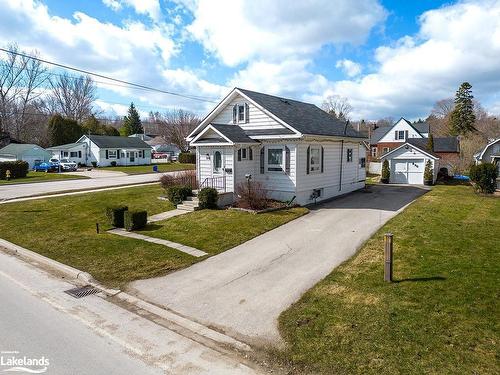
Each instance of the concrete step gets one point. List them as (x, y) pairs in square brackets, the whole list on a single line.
[(186, 207), (193, 199), (190, 203)]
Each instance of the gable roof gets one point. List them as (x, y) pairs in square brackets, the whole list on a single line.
[(442, 144), (19, 148), (379, 133), (67, 146), (231, 134), (479, 155), (110, 141), (421, 148), (307, 118)]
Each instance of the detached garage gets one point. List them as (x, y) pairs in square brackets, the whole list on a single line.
[(30, 153), (407, 164)]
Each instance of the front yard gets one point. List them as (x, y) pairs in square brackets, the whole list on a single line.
[(41, 177), (64, 229), (142, 169), (441, 316)]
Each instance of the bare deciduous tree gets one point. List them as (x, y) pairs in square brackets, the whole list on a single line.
[(175, 125), (337, 106), (442, 108), (72, 97)]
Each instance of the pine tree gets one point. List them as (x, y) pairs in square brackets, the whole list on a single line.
[(462, 117), (132, 122), (430, 143)]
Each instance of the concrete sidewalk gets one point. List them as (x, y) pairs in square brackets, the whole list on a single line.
[(243, 290)]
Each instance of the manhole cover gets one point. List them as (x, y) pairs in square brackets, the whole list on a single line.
[(83, 291)]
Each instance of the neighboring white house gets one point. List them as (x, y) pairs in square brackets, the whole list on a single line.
[(294, 149), (105, 149), (490, 154), (30, 153), (407, 162)]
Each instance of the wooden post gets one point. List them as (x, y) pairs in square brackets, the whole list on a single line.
[(388, 257), (97, 228)]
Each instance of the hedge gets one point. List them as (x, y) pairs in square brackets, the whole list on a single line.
[(177, 194), (115, 215), (135, 220), (187, 157), (208, 198), (18, 169), (484, 177)]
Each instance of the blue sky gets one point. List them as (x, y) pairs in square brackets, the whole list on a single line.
[(389, 58)]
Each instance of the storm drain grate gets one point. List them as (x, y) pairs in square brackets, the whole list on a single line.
[(83, 291)]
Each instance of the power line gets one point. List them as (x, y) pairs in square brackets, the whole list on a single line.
[(192, 97)]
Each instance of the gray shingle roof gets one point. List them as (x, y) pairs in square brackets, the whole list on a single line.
[(443, 144), (67, 146), (109, 141), (421, 127), (304, 117), (234, 133), (257, 132), (19, 148), (379, 133)]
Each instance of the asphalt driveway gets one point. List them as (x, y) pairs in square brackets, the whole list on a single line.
[(243, 290)]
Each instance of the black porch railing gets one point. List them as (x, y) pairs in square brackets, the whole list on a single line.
[(218, 183)]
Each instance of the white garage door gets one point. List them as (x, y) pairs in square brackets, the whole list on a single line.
[(408, 171)]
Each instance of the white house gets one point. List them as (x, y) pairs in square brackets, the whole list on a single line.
[(407, 162), (294, 149), (30, 153), (105, 149)]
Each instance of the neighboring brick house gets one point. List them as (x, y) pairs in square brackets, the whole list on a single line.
[(387, 138), (447, 148)]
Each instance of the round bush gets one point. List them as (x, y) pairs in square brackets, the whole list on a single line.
[(187, 157), (208, 198), (177, 194), (484, 177)]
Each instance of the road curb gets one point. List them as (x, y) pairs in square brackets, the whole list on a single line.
[(68, 271)]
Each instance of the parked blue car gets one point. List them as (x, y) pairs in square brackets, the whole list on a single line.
[(45, 167)]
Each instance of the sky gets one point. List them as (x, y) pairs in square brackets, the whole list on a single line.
[(389, 58)]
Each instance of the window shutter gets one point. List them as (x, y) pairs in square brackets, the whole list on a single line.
[(322, 159), (247, 114), (287, 160), (106, 154), (262, 160), (79, 154), (235, 113), (239, 154), (406, 135), (308, 157), (250, 153), (396, 135)]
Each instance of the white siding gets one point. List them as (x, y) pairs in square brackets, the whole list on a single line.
[(412, 154), (204, 160), (257, 118), (401, 125)]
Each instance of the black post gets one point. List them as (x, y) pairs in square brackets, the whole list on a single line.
[(97, 228), (388, 257)]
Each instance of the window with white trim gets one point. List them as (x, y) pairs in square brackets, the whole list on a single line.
[(217, 167), (73, 154), (315, 159), (241, 113), (244, 153), (362, 162), (400, 134), (374, 152), (275, 159), (112, 154), (386, 149), (349, 155)]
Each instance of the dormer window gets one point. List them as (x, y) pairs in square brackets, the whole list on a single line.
[(240, 113)]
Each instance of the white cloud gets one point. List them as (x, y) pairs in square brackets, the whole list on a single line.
[(150, 8), (349, 67), (237, 31)]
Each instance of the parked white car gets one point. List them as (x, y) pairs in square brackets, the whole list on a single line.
[(68, 165)]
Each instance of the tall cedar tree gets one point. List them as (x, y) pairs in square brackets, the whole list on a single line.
[(63, 130), (462, 117), (132, 123), (430, 143)]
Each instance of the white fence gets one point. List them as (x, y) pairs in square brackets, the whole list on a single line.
[(375, 167)]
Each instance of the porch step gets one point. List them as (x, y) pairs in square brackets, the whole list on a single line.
[(192, 199), (187, 207)]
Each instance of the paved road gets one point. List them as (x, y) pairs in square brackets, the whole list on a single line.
[(90, 335), (26, 190), (242, 291)]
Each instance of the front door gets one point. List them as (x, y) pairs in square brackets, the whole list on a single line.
[(132, 156)]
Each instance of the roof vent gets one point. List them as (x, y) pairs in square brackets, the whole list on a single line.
[(284, 101)]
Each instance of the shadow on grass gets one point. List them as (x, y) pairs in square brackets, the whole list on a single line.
[(432, 278), (149, 227)]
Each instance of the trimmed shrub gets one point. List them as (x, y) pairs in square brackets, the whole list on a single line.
[(115, 215), (484, 177), (428, 173), (208, 198), (187, 157), (182, 178), (135, 220), (177, 194), (18, 169), (386, 172), (113, 163)]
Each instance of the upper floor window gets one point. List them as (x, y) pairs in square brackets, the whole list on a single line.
[(241, 113), (374, 152), (349, 155), (401, 134)]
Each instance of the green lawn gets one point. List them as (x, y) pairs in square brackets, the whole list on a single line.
[(141, 169), (41, 177), (63, 228), (372, 179), (214, 231), (442, 314)]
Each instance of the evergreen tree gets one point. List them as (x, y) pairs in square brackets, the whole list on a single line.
[(430, 143), (132, 122), (462, 117), (63, 130)]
